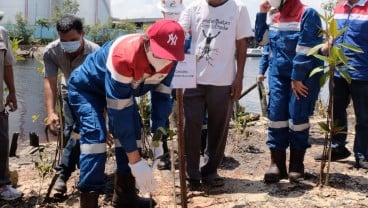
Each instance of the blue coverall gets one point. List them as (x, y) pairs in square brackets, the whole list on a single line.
[(290, 40), (109, 79)]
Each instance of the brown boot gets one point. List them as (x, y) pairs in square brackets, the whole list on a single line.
[(125, 193), (89, 200), (277, 169), (296, 166)]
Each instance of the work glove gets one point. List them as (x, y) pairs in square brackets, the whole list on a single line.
[(157, 152), (144, 176)]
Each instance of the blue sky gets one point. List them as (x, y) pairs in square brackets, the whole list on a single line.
[(148, 8)]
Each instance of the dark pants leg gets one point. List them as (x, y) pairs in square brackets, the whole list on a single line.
[(71, 152), (69, 119), (341, 101), (194, 106), (70, 158), (4, 153), (359, 91), (219, 106)]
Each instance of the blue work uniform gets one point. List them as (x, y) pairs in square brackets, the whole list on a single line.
[(291, 36), (355, 19), (109, 79)]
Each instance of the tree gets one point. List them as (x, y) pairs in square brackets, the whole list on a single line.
[(67, 7), (43, 22), (127, 26), (21, 30), (100, 33)]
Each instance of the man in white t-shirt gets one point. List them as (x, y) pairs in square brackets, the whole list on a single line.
[(219, 30)]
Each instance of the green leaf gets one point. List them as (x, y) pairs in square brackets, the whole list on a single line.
[(333, 31), (330, 18), (316, 70), (324, 126), (351, 47), (323, 17), (315, 49), (340, 32), (155, 143), (323, 79), (345, 75), (35, 118), (321, 57), (341, 56), (333, 55), (157, 136)]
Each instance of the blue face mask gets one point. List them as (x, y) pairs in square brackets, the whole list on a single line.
[(70, 46)]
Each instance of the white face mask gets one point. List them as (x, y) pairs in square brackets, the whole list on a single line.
[(157, 63), (275, 3), (70, 46)]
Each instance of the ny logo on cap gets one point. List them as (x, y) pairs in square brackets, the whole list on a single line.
[(172, 39)]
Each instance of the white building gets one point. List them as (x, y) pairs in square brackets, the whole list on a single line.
[(92, 11)]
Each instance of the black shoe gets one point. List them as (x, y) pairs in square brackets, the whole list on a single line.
[(215, 182), (361, 163), (194, 184), (337, 153), (60, 185), (164, 163)]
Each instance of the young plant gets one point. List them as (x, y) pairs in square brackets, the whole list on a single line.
[(334, 59), (15, 45), (145, 112), (44, 166)]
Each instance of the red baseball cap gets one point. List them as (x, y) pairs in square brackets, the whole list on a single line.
[(166, 39)]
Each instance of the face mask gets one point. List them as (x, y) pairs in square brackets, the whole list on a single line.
[(157, 63), (276, 3), (70, 46)]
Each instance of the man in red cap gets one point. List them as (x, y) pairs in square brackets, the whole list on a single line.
[(109, 79)]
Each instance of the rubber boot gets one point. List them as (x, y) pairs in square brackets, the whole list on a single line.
[(296, 166), (277, 169), (125, 193), (89, 200)]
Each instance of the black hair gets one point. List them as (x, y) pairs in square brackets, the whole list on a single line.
[(69, 22)]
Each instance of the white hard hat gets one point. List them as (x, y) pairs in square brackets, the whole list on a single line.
[(175, 6)]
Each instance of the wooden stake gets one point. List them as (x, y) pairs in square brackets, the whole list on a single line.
[(262, 98), (181, 147)]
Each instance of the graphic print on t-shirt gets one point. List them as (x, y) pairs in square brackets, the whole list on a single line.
[(211, 29), (205, 51)]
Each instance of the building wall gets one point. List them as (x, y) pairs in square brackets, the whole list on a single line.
[(93, 11)]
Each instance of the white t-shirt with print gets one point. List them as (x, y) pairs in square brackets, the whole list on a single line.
[(214, 31)]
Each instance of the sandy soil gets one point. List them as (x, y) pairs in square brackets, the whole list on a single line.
[(247, 158)]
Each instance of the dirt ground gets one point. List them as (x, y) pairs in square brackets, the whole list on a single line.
[(247, 159)]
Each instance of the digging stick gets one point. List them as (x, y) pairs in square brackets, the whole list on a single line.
[(248, 90)]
